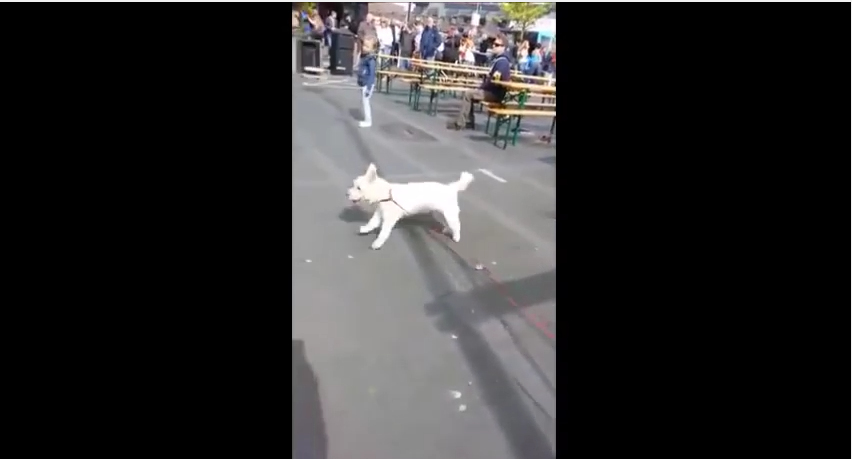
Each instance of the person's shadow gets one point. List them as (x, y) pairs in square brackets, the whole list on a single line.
[(309, 436)]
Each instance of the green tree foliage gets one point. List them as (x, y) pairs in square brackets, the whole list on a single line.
[(524, 13), (304, 6)]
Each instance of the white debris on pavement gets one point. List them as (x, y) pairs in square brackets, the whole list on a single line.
[(308, 260), (349, 256), (454, 336), (455, 394), (493, 262), (479, 267), (462, 407)]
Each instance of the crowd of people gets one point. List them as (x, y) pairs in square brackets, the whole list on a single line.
[(421, 38), (457, 44), (487, 91)]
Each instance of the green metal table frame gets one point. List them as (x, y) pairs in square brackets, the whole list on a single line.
[(506, 120), (414, 91)]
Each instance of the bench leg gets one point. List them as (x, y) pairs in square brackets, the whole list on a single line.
[(487, 119), (417, 93), (515, 133), (553, 126), (410, 94), (508, 129), (498, 122), (388, 86), (496, 128), (431, 100)]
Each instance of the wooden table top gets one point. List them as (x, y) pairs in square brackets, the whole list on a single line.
[(455, 69), (464, 68)]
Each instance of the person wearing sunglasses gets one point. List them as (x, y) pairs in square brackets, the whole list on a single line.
[(501, 68)]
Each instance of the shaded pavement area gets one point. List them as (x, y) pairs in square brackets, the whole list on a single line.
[(426, 348)]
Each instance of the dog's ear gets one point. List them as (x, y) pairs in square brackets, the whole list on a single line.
[(371, 173)]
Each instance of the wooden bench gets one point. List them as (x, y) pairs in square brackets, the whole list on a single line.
[(485, 104), (466, 84), (413, 87), (545, 98), (434, 90), (460, 80), (505, 116), (389, 74)]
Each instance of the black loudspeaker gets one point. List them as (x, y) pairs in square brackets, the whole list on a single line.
[(342, 39), (309, 55), (343, 62), (341, 54)]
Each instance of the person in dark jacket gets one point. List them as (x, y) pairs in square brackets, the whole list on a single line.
[(451, 49), (346, 23), (501, 69), (394, 26), (367, 77), (406, 46), (430, 39), (485, 44)]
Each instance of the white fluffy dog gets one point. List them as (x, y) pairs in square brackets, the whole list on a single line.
[(397, 200)]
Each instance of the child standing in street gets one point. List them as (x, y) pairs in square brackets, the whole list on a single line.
[(367, 77)]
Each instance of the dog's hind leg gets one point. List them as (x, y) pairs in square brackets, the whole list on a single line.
[(453, 221), (374, 222)]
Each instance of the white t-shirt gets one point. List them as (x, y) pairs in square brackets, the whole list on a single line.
[(385, 36), (417, 40), (468, 57)]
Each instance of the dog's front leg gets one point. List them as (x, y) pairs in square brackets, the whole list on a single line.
[(374, 222), (388, 222)]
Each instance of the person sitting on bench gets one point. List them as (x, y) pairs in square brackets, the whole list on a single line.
[(501, 67)]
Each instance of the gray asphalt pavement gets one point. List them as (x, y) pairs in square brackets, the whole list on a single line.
[(410, 352)]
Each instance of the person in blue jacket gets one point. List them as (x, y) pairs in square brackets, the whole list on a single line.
[(367, 77), (501, 69), (430, 40)]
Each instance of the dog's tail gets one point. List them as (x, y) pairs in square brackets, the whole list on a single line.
[(463, 181)]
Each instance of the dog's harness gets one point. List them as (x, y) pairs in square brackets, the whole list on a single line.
[(390, 198)]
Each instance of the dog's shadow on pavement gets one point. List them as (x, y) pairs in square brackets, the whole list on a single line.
[(525, 292), (551, 160), (499, 389), (356, 214), (309, 435)]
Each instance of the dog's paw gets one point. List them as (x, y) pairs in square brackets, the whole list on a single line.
[(365, 230), (376, 245)]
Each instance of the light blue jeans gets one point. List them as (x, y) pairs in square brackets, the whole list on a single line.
[(366, 93)]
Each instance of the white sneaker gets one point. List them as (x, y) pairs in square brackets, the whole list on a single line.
[(364, 124)]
